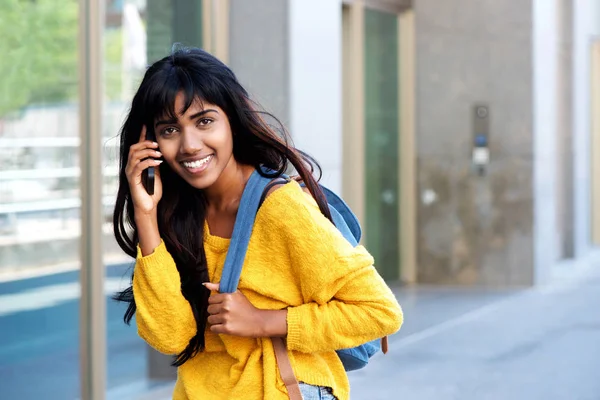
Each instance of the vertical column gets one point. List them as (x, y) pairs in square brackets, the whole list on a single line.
[(595, 84), (407, 142), (353, 121), (220, 27), (564, 145), (92, 309), (584, 24), (315, 84), (545, 101)]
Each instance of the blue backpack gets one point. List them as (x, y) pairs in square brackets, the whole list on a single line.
[(343, 218)]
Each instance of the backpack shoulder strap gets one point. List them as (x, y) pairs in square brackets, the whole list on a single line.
[(242, 229), (277, 181)]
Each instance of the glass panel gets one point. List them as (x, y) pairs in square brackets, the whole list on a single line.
[(381, 141), (179, 23), (124, 65), (39, 200), (138, 32)]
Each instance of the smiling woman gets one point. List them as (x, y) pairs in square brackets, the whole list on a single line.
[(212, 139), (198, 145)]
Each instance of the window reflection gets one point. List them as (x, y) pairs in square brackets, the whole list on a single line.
[(39, 199)]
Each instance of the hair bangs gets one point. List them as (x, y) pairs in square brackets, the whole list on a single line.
[(200, 86), (164, 88)]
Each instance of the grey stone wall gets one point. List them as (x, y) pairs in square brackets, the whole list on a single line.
[(258, 52), (474, 229)]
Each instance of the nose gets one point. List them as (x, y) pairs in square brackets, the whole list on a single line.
[(190, 143)]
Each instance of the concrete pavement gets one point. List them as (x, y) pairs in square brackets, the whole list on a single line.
[(541, 343)]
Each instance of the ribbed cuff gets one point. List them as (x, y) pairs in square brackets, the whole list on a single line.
[(161, 248), (293, 327), (158, 268)]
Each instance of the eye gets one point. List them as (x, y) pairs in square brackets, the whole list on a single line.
[(168, 131), (204, 121)]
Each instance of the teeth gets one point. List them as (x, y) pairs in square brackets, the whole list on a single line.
[(196, 164)]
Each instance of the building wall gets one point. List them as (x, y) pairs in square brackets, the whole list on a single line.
[(258, 47), (530, 64), (473, 229)]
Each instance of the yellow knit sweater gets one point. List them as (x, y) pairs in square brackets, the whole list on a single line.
[(296, 260)]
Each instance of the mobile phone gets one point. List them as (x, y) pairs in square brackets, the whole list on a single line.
[(148, 173)]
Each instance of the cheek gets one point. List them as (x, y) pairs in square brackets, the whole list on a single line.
[(223, 143), (168, 150), (229, 144)]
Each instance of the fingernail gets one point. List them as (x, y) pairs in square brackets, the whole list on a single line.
[(158, 153), (154, 143), (157, 162)]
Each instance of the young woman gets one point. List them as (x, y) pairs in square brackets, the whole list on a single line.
[(301, 279)]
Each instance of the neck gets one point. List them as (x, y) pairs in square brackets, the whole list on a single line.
[(225, 194)]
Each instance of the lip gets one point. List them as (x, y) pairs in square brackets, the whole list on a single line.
[(200, 169), (195, 158)]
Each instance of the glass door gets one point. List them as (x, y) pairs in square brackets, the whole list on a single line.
[(381, 138)]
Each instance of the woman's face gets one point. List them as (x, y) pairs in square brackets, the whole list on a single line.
[(198, 145)]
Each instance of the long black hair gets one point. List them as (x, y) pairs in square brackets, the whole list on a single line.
[(182, 209)]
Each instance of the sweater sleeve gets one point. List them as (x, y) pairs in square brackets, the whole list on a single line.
[(346, 302), (164, 317)]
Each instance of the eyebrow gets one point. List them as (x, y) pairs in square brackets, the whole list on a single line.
[(173, 121)]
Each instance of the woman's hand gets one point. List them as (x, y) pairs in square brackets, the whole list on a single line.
[(233, 314), (140, 158)]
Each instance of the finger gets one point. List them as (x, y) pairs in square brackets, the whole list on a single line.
[(136, 157), (145, 153), (136, 148), (213, 287), (215, 319), (214, 309), (141, 146), (142, 165), (143, 134), (219, 328), (217, 298)]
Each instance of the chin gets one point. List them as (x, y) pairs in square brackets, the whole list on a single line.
[(202, 181)]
